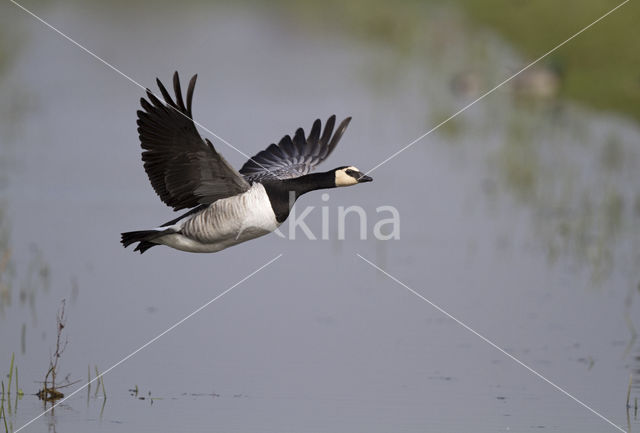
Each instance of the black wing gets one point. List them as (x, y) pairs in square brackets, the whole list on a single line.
[(184, 170), (295, 157)]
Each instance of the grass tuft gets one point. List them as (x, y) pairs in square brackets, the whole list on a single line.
[(100, 383), (13, 355), (4, 418), (50, 392)]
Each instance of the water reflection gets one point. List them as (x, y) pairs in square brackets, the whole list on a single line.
[(579, 204), (6, 267), (572, 171)]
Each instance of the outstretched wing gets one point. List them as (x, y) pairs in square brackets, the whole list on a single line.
[(184, 170), (295, 157)]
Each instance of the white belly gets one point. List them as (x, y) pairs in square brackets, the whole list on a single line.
[(226, 222)]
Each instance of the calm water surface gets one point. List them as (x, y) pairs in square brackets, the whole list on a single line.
[(517, 218)]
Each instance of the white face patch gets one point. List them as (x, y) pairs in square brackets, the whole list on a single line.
[(343, 179)]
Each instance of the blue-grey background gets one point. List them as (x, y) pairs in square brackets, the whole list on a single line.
[(519, 217)]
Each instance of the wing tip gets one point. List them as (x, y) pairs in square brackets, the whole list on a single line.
[(345, 123), (190, 89)]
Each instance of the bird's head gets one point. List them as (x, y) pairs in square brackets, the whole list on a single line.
[(350, 175)]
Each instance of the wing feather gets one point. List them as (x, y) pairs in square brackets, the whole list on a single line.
[(184, 170), (297, 156)]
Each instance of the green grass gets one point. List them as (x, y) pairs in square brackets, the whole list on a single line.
[(602, 65), (13, 355), (4, 418)]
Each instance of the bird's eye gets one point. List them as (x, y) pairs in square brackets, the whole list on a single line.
[(351, 172)]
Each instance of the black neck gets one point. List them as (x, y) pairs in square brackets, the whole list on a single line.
[(284, 193), (310, 182)]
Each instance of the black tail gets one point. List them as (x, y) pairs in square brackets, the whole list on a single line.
[(143, 236)]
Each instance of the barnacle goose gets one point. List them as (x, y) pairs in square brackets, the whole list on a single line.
[(227, 207)]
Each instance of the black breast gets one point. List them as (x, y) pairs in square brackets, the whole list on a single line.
[(281, 198)]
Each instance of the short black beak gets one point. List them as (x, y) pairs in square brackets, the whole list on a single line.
[(364, 178)]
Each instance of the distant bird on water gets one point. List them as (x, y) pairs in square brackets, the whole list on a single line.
[(227, 207)]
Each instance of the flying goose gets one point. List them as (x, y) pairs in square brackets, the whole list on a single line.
[(227, 207)]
